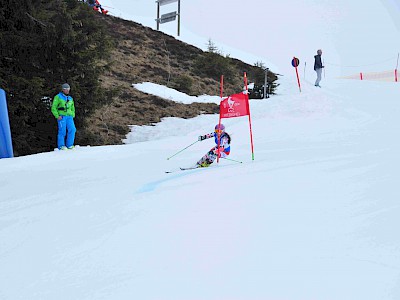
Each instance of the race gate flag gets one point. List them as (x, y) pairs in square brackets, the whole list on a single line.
[(236, 105)]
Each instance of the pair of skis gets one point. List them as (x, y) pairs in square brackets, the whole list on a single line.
[(198, 167), (183, 169)]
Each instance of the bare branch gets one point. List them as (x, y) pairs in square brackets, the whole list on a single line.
[(36, 20)]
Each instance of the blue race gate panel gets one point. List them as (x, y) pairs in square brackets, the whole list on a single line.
[(6, 150)]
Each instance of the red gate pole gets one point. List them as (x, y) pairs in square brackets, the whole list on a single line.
[(219, 121), (248, 110)]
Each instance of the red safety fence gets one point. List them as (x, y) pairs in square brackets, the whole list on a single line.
[(390, 75)]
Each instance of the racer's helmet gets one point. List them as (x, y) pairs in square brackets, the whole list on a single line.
[(219, 128)]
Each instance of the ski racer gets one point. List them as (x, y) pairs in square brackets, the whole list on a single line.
[(221, 149)]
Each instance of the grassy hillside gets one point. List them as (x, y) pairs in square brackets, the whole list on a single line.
[(142, 54)]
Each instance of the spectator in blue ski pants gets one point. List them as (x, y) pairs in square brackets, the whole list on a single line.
[(66, 127), (63, 109)]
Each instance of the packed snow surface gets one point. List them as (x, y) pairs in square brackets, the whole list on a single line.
[(314, 216)]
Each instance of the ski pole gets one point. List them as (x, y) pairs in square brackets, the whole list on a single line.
[(238, 161), (182, 150)]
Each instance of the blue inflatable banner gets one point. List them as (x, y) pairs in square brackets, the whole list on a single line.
[(6, 150)]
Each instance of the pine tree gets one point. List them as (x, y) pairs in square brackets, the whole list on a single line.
[(44, 44)]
